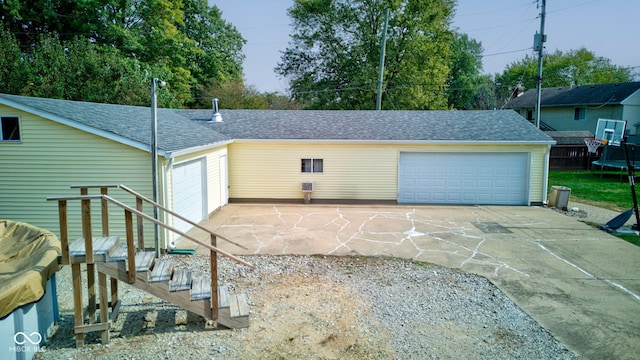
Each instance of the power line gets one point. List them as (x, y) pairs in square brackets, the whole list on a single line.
[(507, 52)]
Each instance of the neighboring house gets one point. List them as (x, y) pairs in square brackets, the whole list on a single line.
[(412, 157), (579, 107)]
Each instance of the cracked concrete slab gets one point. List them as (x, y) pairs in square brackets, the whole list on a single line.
[(580, 283)]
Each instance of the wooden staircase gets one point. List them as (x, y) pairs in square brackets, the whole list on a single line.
[(143, 269), (159, 278)]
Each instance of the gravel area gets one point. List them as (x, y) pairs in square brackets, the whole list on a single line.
[(317, 307)]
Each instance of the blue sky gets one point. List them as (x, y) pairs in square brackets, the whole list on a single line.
[(504, 27)]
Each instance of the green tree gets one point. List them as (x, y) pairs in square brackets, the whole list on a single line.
[(219, 43), (484, 95), (28, 20), (332, 59), (575, 67), (464, 78), (279, 101), (81, 70), (234, 94), (11, 71), (184, 42)]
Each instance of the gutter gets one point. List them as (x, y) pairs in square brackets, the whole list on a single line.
[(187, 151), (399, 142)]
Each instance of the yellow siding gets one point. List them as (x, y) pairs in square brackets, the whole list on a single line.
[(261, 170), (52, 156), (212, 161)]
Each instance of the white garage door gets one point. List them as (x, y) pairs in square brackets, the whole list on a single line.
[(464, 178), (188, 193)]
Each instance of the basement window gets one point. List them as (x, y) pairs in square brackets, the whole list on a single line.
[(579, 113), (9, 128), (312, 165)]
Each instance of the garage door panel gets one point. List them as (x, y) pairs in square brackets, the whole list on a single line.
[(188, 193), (464, 178), (469, 197), (470, 184)]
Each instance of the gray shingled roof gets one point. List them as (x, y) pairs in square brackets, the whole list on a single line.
[(578, 95), (175, 132), (570, 137), (184, 129), (463, 126)]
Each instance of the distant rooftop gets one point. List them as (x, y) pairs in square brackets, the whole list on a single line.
[(576, 95)]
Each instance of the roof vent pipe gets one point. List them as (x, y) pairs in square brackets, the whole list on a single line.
[(216, 112)]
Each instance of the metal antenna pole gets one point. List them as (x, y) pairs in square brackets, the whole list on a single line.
[(538, 44), (382, 55)]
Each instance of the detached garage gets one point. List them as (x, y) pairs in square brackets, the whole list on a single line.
[(406, 157), (464, 178)]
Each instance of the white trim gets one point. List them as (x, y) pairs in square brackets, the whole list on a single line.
[(223, 170), (545, 177), (168, 237), (398, 142), (194, 149)]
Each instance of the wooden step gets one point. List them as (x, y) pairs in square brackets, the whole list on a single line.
[(223, 297), (101, 247), (144, 260), (201, 288), (233, 310), (236, 316), (181, 280), (117, 253), (238, 305), (161, 271)]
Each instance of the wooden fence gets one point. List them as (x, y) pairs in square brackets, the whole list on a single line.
[(571, 157)]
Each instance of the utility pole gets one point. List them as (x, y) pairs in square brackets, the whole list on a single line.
[(538, 45), (382, 55)]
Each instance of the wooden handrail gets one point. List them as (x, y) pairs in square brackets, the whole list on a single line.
[(153, 203), (150, 218)]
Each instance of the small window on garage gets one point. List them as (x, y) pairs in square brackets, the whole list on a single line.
[(579, 113), (9, 128), (312, 165)]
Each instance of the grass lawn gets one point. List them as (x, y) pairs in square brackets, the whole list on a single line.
[(609, 192)]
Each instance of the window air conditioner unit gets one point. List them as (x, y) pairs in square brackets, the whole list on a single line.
[(307, 186)]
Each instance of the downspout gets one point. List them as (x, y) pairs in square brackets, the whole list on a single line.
[(545, 182), (168, 234)]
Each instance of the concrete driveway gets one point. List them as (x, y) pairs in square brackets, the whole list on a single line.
[(581, 284)]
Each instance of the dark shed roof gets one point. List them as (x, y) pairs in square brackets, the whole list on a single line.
[(578, 95)]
